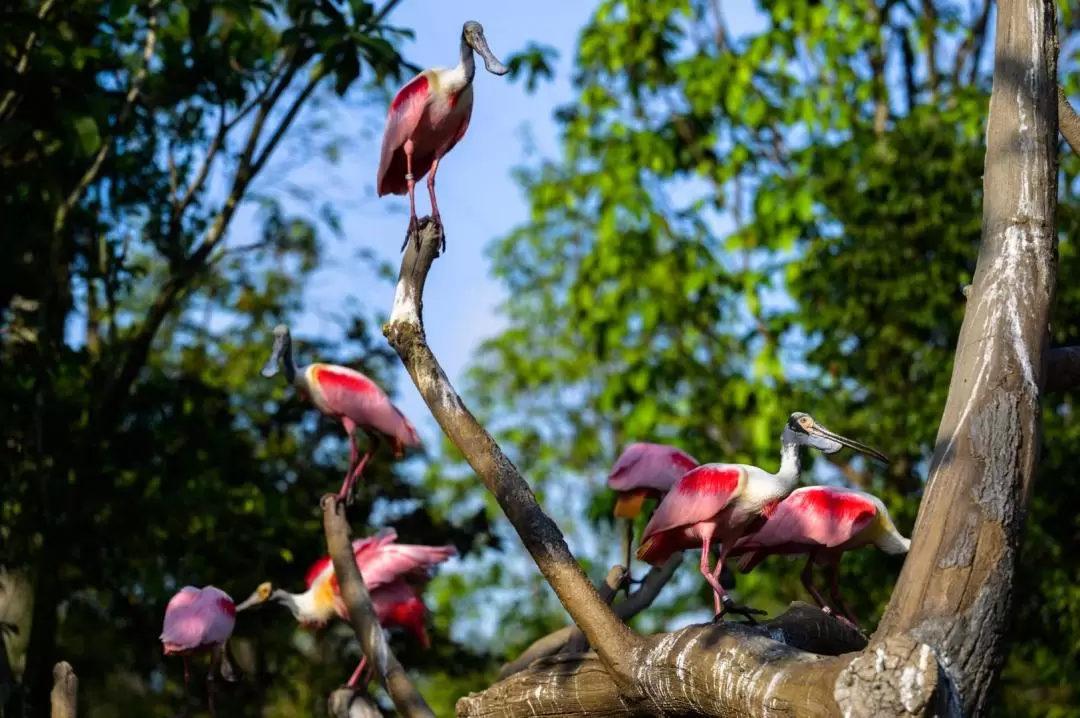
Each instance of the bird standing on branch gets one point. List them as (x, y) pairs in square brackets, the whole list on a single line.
[(427, 117), (349, 396), (824, 522), (199, 620), (722, 502), (391, 573)]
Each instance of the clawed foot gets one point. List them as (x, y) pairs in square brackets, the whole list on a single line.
[(730, 606), (413, 233)]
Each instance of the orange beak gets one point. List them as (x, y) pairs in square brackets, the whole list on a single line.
[(629, 504)]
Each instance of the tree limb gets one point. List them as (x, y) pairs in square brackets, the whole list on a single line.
[(8, 102), (955, 591), (365, 623), (1068, 121), (612, 639), (347, 703), (91, 174), (616, 578), (733, 669), (65, 692)]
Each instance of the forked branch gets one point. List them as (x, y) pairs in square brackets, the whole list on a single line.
[(614, 642), (365, 623)]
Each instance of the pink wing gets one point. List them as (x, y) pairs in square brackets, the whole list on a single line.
[(195, 617), (645, 465), (698, 496), (323, 568), (401, 122), (397, 560), (400, 605), (813, 517), (350, 393)]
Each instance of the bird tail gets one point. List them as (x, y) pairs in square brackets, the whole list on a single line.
[(655, 549)]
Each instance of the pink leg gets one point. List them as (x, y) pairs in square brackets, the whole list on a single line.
[(350, 432), (833, 572), (730, 606), (211, 679), (807, 578), (411, 183), (718, 590), (355, 678), (434, 204), (350, 481)]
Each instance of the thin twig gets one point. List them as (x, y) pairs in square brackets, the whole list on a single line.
[(24, 59), (615, 643), (1068, 121), (365, 623)]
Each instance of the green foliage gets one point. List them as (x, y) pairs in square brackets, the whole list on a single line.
[(740, 227), (144, 450)]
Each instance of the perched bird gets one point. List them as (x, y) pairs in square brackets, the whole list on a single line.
[(349, 396), (427, 117), (824, 522), (722, 502), (199, 620), (644, 471), (389, 570)]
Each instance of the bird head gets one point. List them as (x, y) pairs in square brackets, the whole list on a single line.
[(803, 429), (261, 595), (282, 340), (473, 32)]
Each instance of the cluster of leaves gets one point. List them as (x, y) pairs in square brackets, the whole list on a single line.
[(743, 226), (143, 451)]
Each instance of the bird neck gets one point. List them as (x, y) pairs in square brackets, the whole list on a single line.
[(305, 607), (790, 461), (468, 62)]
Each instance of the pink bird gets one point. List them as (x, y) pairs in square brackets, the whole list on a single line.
[(199, 620), (824, 522), (349, 396), (427, 118), (389, 569), (644, 471), (722, 502)]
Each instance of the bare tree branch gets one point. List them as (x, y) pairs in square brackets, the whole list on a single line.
[(8, 102), (613, 640), (365, 623), (558, 641), (617, 577), (65, 692), (956, 587), (1068, 121), (347, 703), (91, 174)]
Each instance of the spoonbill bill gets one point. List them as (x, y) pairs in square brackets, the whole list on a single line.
[(427, 118), (389, 570), (824, 522), (722, 502), (199, 620), (349, 396)]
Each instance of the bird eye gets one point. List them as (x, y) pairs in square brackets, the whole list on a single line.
[(806, 422)]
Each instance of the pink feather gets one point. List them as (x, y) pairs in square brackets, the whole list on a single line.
[(197, 619)]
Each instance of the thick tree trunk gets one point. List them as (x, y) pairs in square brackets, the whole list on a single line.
[(956, 588)]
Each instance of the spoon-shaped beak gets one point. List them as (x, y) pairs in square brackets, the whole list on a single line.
[(479, 43), (821, 431), (271, 366)]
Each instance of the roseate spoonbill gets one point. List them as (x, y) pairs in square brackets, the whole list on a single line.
[(349, 396), (384, 565), (199, 620), (721, 502), (644, 471), (427, 117), (824, 522)]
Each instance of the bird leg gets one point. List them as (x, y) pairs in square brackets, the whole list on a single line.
[(346, 494), (350, 432), (413, 221), (211, 679), (628, 547), (807, 578), (434, 204), (728, 605), (355, 678), (833, 573)]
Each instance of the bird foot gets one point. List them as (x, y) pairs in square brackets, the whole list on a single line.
[(730, 606)]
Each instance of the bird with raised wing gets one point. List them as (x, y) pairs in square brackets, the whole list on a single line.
[(644, 471), (824, 522), (427, 118), (199, 620), (722, 502), (349, 396), (393, 573)]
